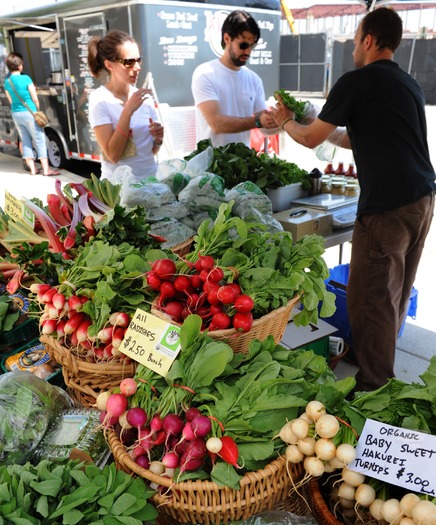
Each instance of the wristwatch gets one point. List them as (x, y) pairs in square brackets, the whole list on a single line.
[(257, 122)]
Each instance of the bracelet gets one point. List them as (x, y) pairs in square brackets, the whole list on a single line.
[(285, 122), (123, 133), (157, 143)]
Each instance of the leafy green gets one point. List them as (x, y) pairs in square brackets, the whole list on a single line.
[(297, 106), (237, 163), (72, 493), (9, 313)]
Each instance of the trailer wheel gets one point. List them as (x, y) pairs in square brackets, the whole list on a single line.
[(55, 150)]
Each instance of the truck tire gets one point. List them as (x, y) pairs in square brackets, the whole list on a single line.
[(55, 150)]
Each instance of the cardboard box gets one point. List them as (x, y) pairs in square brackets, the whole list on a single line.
[(305, 221)]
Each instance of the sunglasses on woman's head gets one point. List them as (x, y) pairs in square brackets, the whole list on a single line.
[(246, 45), (128, 63)]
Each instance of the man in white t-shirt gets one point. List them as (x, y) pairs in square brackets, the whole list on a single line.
[(230, 98)]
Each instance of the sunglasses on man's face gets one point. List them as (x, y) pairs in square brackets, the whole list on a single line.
[(128, 63), (246, 45)]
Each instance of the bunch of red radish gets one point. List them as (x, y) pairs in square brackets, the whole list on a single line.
[(163, 444), (64, 319), (203, 291)]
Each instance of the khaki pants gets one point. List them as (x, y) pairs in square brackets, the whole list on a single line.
[(386, 249)]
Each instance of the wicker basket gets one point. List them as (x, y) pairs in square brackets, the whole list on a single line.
[(182, 248), (205, 502), (85, 380), (274, 323)]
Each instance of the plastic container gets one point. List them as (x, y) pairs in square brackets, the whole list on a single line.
[(319, 347), (337, 283), (281, 198)]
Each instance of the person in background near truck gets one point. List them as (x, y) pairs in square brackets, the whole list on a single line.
[(383, 109), (230, 98), (31, 135), (119, 111)]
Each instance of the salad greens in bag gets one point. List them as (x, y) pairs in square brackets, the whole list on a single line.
[(28, 407)]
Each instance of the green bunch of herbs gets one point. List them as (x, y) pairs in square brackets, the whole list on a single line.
[(52, 493), (297, 106), (236, 163)]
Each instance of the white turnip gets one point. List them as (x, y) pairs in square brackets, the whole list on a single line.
[(424, 512), (327, 426), (315, 409), (325, 449), (300, 428), (407, 502), (365, 495), (391, 511), (293, 454), (345, 453)]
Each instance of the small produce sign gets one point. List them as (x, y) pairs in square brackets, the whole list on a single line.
[(152, 342), (17, 210), (398, 456)]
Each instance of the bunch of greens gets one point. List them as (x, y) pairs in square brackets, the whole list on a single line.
[(39, 262), (248, 397), (270, 267), (72, 493), (297, 106), (112, 277), (405, 405), (28, 406), (104, 190), (237, 163)]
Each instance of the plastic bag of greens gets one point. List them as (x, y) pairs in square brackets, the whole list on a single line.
[(28, 406), (171, 173), (175, 210), (172, 230), (203, 193), (248, 196)]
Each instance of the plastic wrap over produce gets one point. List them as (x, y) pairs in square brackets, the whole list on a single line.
[(28, 407), (276, 517)]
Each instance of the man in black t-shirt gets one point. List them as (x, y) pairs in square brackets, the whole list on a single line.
[(383, 111)]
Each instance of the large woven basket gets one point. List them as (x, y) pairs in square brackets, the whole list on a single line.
[(205, 502), (274, 323), (85, 380), (182, 248)]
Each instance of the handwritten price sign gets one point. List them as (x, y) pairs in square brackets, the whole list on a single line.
[(397, 456), (151, 341), (17, 210)]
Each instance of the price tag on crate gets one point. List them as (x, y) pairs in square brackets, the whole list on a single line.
[(151, 341), (398, 456), (17, 210)]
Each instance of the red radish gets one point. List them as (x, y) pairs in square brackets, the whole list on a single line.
[(87, 344), (143, 461), (196, 282), (160, 438), (58, 300), (190, 464), (73, 339), (193, 300), (75, 303), (164, 269), (118, 336), (156, 423), (235, 287), (209, 286), (242, 322), (119, 319), (39, 288), (166, 291), (128, 387), (216, 309), (204, 274), (98, 353), (136, 417), (49, 326), (170, 460), (82, 331), (207, 262), (145, 438), (116, 405), (213, 298), (49, 294), (53, 313), (174, 310), (153, 281), (105, 334), (243, 303), (182, 283), (187, 432), (180, 447), (138, 451), (216, 274), (226, 294), (201, 426), (60, 329), (220, 321), (229, 451), (107, 420), (107, 351), (73, 323), (172, 424), (191, 413), (83, 299)]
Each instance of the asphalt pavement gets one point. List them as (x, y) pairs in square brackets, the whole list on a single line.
[(415, 347)]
